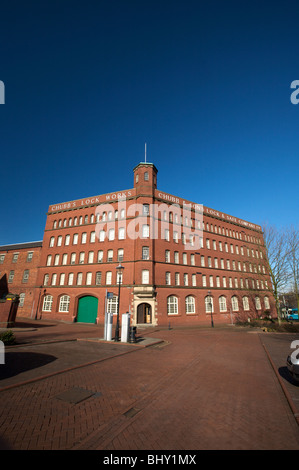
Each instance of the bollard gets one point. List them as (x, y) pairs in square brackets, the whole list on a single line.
[(133, 331)]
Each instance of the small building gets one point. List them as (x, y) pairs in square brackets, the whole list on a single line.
[(19, 264)]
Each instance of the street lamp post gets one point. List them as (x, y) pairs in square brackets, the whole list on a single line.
[(119, 270), (211, 307)]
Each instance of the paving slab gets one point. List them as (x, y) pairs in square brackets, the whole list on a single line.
[(201, 389)]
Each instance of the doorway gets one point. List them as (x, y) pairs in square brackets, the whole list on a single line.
[(144, 313), (87, 309)]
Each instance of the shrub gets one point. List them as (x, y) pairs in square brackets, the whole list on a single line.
[(7, 337)]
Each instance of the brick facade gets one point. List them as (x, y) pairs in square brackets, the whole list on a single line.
[(19, 263), (166, 279)]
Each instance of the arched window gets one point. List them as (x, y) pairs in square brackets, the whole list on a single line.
[(190, 304), (235, 303), (267, 303), (47, 305), (172, 305), (64, 303), (222, 304), (257, 303), (245, 303), (209, 304)]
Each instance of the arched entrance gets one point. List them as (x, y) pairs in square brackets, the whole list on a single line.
[(144, 313), (87, 309)]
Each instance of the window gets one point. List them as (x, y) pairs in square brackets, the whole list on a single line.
[(98, 278), (64, 303), (172, 305), (145, 231), (108, 277), (145, 276), (46, 279), (112, 304), (111, 234), (79, 279), (102, 235), (121, 233), (190, 304), (257, 303), (145, 252), (120, 254), (267, 303), (222, 304), (245, 303), (47, 304), (209, 304), (100, 256), (22, 299), (235, 303), (119, 277), (88, 279)]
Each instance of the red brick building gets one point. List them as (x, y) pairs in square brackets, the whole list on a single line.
[(183, 263), (19, 265)]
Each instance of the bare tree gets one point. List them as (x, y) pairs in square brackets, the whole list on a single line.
[(276, 247), (292, 238)]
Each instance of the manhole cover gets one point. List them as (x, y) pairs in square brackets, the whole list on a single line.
[(75, 395)]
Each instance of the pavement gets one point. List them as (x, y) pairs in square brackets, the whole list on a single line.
[(63, 387)]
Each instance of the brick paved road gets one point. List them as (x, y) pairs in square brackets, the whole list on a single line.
[(200, 389)]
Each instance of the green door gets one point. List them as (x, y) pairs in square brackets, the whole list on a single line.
[(87, 309)]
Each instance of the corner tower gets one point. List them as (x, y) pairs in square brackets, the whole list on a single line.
[(145, 179)]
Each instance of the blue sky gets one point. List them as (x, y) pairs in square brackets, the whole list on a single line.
[(205, 84)]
